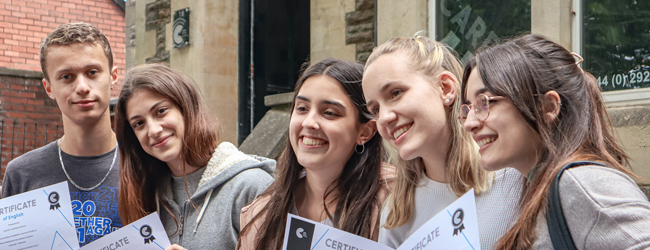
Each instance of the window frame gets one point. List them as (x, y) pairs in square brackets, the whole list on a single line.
[(614, 98)]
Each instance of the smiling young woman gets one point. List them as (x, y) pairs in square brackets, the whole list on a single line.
[(411, 86), (171, 159), (540, 112), (330, 170)]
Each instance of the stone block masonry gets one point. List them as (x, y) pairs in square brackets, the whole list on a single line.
[(360, 29)]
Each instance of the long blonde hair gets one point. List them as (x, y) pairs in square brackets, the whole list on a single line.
[(429, 58)]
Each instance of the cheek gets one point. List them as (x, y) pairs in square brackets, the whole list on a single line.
[(294, 129), (142, 137), (383, 132)]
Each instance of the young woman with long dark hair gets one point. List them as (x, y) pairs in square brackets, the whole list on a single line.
[(173, 163), (532, 108), (412, 85), (330, 170)]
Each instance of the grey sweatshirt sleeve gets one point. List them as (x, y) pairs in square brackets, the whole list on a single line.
[(605, 209), (252, 183)]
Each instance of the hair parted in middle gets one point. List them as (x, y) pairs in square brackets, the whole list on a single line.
[(358, 184), (522, 70), (140, 172), (429, 58)]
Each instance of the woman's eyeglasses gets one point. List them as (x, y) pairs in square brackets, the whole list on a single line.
[(481, 107)]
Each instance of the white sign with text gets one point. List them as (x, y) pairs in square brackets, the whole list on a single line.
[(38, 219), (456, 227), (145, 233)]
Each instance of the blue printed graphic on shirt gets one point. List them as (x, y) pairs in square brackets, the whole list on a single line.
[(95, 213)]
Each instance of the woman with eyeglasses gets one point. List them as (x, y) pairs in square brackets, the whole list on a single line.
[(412, 85), (532, 108), (330, 170)]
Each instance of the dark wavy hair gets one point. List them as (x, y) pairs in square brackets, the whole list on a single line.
[(358, 184), (140, 172), (523, 70)]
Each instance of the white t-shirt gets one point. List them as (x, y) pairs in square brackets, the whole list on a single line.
[(496, 208)]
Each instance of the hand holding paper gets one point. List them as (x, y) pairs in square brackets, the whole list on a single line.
[(38, 219)]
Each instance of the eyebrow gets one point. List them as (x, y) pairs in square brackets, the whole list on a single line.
[(480, 91), (84, 67), (387, 85), (151, 109), (328, 102)]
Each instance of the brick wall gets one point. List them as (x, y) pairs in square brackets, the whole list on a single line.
[(24, 24), (28, 117)]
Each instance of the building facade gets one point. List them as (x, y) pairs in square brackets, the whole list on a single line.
[(243, 53)]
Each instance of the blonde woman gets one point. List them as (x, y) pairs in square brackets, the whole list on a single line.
[(411, 86)]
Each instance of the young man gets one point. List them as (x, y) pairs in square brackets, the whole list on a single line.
[(78, 71)]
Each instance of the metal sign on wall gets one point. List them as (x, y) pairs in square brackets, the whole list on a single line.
[(181, 30)]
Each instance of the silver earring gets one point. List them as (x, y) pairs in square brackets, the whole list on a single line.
[(448, 100), (363, 148)]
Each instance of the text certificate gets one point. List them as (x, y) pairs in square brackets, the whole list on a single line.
[(304, 234), (38, 219), (455, 227), (145, 233)]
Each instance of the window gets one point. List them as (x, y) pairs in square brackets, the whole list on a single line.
[(467, 25), (615, 45)]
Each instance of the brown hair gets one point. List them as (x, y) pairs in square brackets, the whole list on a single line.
[(140, 172), (71, 33), (430, 58), (524, 69), (358, 184)]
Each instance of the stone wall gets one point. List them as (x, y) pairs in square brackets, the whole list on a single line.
[(211, 58), (360, 29), (328, 30)]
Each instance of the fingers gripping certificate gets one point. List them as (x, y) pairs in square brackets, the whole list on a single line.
[(38, 219), (456, 227)]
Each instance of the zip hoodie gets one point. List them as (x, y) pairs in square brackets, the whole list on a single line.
[(231, 180)]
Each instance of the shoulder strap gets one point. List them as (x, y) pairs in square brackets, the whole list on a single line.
[(557, 227)]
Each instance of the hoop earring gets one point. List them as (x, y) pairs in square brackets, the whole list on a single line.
[(363, 148)]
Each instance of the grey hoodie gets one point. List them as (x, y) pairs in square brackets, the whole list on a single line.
[(231, 181)]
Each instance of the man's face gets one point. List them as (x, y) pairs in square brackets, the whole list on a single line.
[(80, 81)]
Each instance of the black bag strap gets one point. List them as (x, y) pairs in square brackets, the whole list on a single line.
[(557, 227)]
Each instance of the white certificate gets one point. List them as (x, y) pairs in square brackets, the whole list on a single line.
[(38, 219), (455, 227), (304, 234), (145, 233)]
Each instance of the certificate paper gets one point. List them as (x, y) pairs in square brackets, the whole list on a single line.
[(455, 227), (145, 233), (38, 219), (304, 234)]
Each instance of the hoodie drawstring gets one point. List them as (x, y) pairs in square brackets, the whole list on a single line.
[(205, 204)]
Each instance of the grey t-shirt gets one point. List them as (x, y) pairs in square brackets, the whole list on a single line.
[(178, 186), (95, 211)]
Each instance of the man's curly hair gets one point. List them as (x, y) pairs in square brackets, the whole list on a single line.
[(71, 33)]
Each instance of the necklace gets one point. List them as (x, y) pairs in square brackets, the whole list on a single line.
[(75, 184)]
